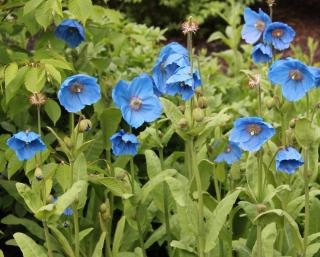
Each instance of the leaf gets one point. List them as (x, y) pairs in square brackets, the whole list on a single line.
[(13, 87), (30, 6), (306, 133), (31, 198), (109, 120), (54, 73), (62, 241), (312, 249), (10, 72), (69, 197), (269, 236), (58, 63), (118, 236), (153, 163), (53, 110), (13, 165), (85, 233), (99, 246), (115, 185), (30, 225), (218, 218), (178, 190), (81, 9), (28, 247), (35, 80)]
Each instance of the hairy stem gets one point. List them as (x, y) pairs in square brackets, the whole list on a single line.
[(307, 201)]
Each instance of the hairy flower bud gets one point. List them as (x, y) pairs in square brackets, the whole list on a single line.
[(68, 142), (50, 199), (198, 114), (84, 125), (203, 102), (104, 207), (270, 103), (182, 108), (261, 208), (183, 123), (292, 123), (38, 174)]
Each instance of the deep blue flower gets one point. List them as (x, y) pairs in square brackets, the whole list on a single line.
[(67, 211), (294, 77), (288, 160), (231, 154), (71, 32), (316, 74), (137, 101), (181, 82), (255, 24), (262, 53), (124, 143), (172, 56), (78, 91), (250, 133), (279, 34), (26, 144)]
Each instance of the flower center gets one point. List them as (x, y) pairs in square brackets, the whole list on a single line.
[(260, 25), (182, 84), (254, 129), (76, 87), (162, 67), (277, 33), (135, 103), (295, 75), (72, 30), (228, 149)]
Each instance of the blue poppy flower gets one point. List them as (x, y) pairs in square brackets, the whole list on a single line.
[(124, 143), (250, 133), (262, 53), (294, 77), (316, 74), (255, 24), (26, 144), (279, 34), (78, 91), (288, 160), (172, 56), (181, 82), (231, 154), (71, 32), (137, 101)]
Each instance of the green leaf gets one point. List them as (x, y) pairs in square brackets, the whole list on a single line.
[(312, 249), (62, 64), (84, 233), (31, 197), (10, 72), (62, 241), (43, 14), (28, 247), (218, 218), (30, 6), (35, 80), (99, 246), (306, 133), (153, 163), (53, 110), (81, 9), (13, 87), (269, 236), (118, 235), (178, 190), (116, 186), (30, 225), (109, 120), (13, 165), (69, 197), (53, 72)]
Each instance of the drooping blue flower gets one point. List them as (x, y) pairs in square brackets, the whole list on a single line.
[(288, 160), (316, 74), (71, 32), (250, 133), (279, 34), (172, 56), (231, 154), (78, 91), (124, 143), (255, 24), (182, 83), (137, 101), (294, 77), (262, 53), (26, 144)]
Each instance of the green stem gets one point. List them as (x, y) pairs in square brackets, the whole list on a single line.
[(111, 199), (260, 199), (217, 188), (259, 240), (132, 175), (201, 236), (307, 201), (271, 10), (141, 236)]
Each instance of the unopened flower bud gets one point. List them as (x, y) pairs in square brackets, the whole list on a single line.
[(270, 103), (183, 123), (198, 114), (203, 102), (103, 207), (198, 91), (270, 2), (182, 108), (38, 174), (105, 216), (84, 125), (261, 208), (292, 123), (50, 199), (68, 142), (121, 175)]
